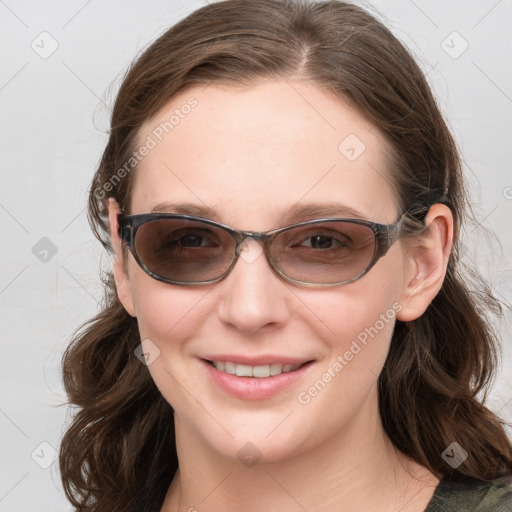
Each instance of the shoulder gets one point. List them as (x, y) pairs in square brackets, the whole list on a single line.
[(470, 495)]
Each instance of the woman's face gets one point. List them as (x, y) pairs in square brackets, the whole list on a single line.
[(254, 157)]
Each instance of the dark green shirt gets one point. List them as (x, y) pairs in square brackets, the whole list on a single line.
[(472, 496)]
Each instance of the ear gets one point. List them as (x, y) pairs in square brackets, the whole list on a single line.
[(426, 262), (123, 288)]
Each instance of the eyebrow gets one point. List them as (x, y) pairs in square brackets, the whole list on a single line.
[(295, 213), (186, 209), (298, 213)]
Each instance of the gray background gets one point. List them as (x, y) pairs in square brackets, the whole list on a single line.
[(54, 112)]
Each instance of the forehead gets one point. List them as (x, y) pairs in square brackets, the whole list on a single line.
[(251, 153)]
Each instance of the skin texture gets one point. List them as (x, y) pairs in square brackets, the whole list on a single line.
[(251, 154)]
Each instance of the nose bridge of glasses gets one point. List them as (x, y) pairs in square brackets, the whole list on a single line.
[(242, 237), (243, 247)]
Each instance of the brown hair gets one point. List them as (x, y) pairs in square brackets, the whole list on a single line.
[(119, 452)]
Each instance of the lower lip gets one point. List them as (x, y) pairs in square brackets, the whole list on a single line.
[(254, 388)]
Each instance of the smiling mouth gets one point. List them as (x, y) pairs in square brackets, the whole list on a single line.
[(260, 371)]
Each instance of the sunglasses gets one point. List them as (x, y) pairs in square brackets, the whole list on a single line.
[(191, 251)]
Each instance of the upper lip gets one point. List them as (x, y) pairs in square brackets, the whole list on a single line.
[(257, 360)]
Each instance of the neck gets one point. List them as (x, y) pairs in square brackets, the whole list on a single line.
[(356, 469)]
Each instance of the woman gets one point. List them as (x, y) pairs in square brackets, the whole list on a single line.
[(286, 326)]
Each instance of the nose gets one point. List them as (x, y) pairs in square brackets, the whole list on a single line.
[(253, 296)]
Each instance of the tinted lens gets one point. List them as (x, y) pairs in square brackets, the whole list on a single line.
[(183, 250), (324, 253)]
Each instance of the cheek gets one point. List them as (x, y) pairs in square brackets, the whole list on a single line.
[(357, 321), (358, 330), (343, 386), (168, 318), (163, 311), (364, 309)]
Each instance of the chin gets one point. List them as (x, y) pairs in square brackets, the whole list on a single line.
[(269, 436)]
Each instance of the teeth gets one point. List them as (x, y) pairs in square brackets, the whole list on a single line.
[(261, 371), (244, 370), (230, 368), (276, 369)]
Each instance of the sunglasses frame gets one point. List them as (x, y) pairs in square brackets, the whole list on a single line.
[(385, 236)]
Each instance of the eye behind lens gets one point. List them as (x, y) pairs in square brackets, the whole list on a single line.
[(324, 253), (183, 251)]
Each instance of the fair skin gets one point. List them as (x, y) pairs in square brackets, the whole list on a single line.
[(251, 154)]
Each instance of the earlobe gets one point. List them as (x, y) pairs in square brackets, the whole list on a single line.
[(427, 261), (122, 281)]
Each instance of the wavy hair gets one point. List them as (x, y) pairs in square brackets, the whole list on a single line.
[(118, 453)]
